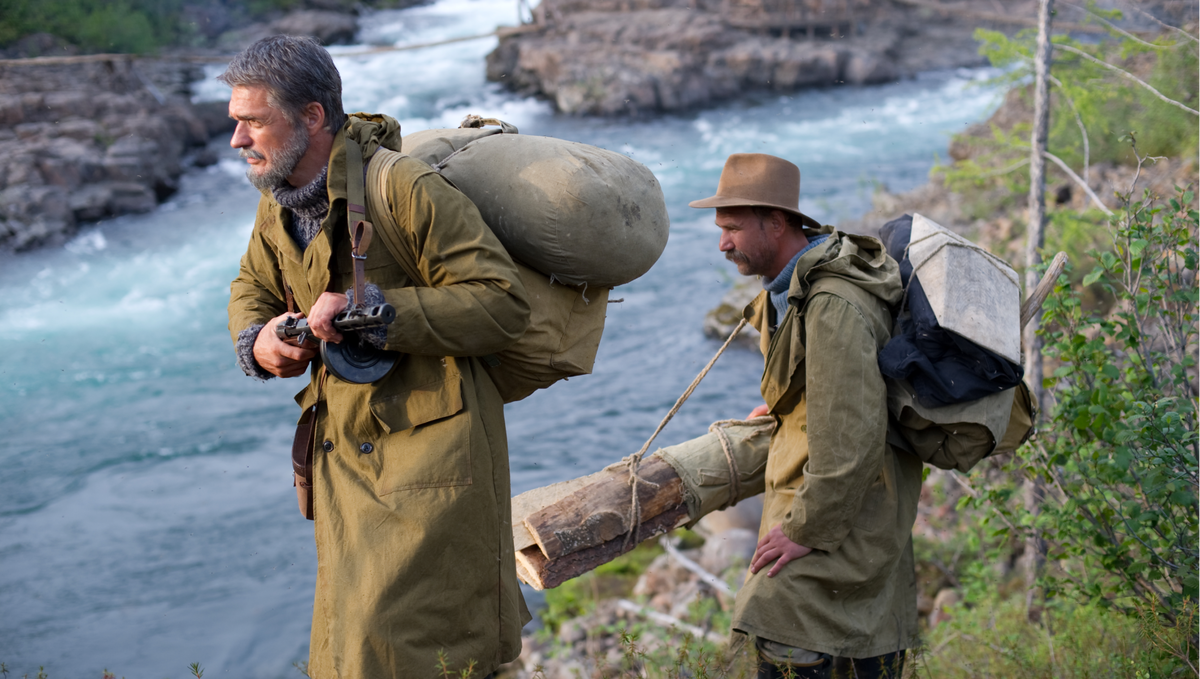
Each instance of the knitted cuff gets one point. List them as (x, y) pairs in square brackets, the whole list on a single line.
[(376, 337), (245, 354)]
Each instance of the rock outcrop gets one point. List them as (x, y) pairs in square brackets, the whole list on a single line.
[(84, 138), (606, 57)]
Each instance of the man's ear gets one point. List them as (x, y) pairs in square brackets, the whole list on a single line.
[(313, 117), (778, 223)]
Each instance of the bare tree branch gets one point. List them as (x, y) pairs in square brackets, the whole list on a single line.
[(1117, 29), (1078, 180), (1167, 26), (1130, 76), (1078, 121)]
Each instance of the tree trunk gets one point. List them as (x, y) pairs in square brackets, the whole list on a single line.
[(1035, 240)]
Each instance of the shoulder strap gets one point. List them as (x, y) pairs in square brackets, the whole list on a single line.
[(360, 229), (378, 172)]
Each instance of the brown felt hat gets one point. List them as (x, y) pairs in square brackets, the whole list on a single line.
[(759, 180)]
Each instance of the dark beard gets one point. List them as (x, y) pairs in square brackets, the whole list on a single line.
[(282, 165)]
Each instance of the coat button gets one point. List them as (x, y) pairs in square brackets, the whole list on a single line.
[(366, 448), (328, 446)]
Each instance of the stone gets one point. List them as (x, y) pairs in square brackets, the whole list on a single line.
[(89, 139), (945, 600), (630, 57), (331, 28), (728, 549), (746, 514), (34, 214)]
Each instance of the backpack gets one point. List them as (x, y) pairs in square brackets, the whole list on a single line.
[(566, 322), (953, 367)]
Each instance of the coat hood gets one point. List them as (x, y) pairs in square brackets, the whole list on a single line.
[(861, 260), (370, 130)]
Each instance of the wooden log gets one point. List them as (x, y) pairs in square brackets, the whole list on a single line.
[(600, 511), (534, 500), (536, 570)]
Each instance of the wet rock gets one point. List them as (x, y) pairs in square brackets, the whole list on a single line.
[(721, 320), (328, 27), (331, 28), (83, 140), (607, 57)]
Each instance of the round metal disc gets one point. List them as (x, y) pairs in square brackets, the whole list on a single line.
[(357, 362)]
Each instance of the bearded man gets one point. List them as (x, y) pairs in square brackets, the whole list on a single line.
[(410, 473), (831, 590)]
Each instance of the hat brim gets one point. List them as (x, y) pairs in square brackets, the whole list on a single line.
[(725, 201)]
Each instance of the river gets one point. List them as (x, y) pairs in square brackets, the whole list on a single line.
[(147, 516)]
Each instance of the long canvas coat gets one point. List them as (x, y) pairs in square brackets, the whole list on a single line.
[(832, 481), (414, 550)]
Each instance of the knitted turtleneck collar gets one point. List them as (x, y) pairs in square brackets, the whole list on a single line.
[(777, 287), (308, 204)]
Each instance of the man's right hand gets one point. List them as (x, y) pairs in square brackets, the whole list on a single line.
[(282, 359), (761, 410)]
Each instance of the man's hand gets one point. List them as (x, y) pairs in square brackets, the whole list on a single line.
[(776, 545), (277, 357), (761, 410), (320, 317)]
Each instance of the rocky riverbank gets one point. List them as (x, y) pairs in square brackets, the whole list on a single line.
[(83, 138), (644, 56)]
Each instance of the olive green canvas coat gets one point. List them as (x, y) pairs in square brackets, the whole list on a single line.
[(414, 549), (832, 481)]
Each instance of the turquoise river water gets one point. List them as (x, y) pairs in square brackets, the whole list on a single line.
[(147, 517)]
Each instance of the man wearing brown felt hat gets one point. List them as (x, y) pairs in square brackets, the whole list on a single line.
[(832, 589)]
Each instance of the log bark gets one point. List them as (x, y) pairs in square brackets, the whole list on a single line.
[(535, 500), (600, 512), (536, 570)]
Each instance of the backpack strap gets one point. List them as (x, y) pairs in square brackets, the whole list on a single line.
[(360, 229), (378, 173)]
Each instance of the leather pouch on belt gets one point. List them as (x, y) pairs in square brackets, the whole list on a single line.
[(302, 456)]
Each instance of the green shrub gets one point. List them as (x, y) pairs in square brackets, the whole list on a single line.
[(1119, 456), (995, 639)]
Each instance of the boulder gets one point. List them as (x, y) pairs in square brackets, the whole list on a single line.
[(728, 549), (90, 139), (331, 28)]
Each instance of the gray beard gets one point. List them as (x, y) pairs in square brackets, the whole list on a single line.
[(282, 165)]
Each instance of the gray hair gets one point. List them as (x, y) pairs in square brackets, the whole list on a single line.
[(296, 72)]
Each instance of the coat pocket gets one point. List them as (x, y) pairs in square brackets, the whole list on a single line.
[(428, 443)]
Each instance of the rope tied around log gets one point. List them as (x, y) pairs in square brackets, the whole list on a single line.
[(718, 428), (631, 462)]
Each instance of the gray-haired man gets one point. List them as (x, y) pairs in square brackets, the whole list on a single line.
[(410, 473)]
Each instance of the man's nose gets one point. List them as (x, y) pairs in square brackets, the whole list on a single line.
[(726, 243), (240, 138)]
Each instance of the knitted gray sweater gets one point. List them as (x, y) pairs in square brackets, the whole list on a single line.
[(308, 206)]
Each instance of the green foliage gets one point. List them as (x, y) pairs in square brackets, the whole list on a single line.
[(1119, 457), (576, 597), (137, 26), (995, 639), (1108, 105)]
